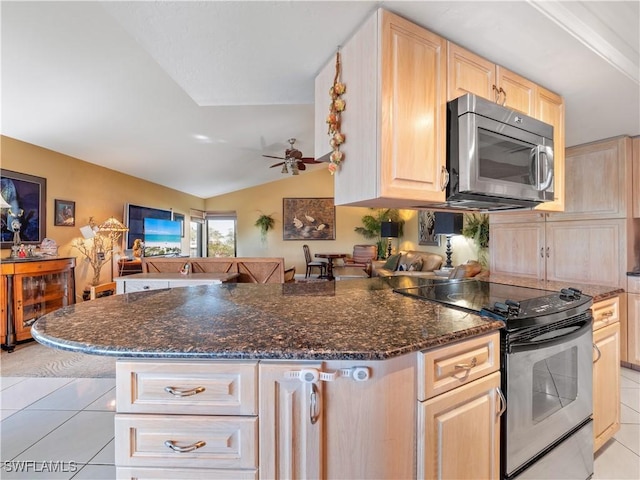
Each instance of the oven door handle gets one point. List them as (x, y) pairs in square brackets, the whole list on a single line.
[(516, 347)]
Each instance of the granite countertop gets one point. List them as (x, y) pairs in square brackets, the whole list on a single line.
[(346, 320)]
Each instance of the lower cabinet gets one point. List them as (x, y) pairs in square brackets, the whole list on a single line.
[(633, 321), (606, 371)]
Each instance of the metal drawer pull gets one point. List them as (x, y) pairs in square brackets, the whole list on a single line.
[(606, 314), (503, 402), (189, 448), (599, 353), (184, 393), (314, 408), (467, 366)]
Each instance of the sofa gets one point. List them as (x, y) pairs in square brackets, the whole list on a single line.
[(411, 262)]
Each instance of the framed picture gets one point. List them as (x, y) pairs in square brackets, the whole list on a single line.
[(426, 227), (65, 211), (24, 202), (308, 219)]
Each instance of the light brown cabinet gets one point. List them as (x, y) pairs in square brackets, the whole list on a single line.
[(636, 177), (395, 117), (633, 321), (606, 371), (31, 289), (459, 410)]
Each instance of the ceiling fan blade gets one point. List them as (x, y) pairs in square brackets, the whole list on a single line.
[(271, 156), (301, 166), (276, 164), (308, 160)]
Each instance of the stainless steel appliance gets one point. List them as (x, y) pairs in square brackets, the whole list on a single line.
[(497, 159), (546, 350)]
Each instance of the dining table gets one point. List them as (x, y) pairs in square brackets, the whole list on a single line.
[(330, 257)]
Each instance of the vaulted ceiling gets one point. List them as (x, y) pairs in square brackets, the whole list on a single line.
[(191, 94)]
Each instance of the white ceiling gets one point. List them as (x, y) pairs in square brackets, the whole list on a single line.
[(190, 94)]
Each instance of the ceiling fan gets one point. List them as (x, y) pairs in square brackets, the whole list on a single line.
[(292, 160)]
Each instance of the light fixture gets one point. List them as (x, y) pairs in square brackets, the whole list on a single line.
[(448, 224), (389, 230)]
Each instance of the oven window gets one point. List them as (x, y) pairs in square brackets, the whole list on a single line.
[(504, 158), (555, 383)]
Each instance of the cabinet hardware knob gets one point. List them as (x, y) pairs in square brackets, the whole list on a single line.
[(189, 448), (541, 252), (496, 92), (504, 98), (444, 179), (598, 352), (467, 366), (503, 402), (314, 407), (606, 314), (184, 393), (548, 252)]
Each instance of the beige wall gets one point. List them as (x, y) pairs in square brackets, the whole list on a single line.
[(98, 192), (101, 193)]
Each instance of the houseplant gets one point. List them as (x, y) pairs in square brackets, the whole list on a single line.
[(265, 223), (371, 225), (476, 227)]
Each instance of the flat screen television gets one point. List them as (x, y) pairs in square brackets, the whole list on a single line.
[(134, 219), (162, 237)]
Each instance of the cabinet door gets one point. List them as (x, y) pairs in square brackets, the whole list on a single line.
[(592, 252), (636, 177), (606, 384), (550, 109), (519, 93), (633, 323), (462, 422), (413, 111), (290, 440), (597, 180), (469, 73), (518, 249)]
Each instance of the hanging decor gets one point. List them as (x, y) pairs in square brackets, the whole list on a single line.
[(335, 112)]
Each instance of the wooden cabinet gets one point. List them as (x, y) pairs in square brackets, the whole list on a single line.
[(606, 371), (182, 415), (633, 321), (459, 409), (470, 73), (395, 117), (32, 288), (518, 248), (636, 177)]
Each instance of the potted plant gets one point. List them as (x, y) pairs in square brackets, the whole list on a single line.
[(371, 225), (265, 223), (476, 227)]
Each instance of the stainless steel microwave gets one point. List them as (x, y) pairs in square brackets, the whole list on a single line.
[(497, 158)]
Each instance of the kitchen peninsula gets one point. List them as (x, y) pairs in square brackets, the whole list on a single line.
[(200, 368)]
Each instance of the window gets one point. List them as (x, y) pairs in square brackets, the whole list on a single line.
[(221, 234)]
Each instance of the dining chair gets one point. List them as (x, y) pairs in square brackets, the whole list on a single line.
[(312, 264)]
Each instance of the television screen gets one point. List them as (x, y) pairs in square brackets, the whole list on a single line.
[(134, 219), (162, 237)]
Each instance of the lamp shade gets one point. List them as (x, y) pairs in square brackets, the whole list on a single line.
[(448, 223), (111, 224), (389, 229)]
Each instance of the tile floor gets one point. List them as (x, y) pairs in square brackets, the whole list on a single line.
[(65, 426)]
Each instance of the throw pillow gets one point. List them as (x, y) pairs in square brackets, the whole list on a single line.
[(392, 262), (416, 266)]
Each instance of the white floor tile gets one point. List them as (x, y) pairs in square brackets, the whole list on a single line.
[(629, 436), (106, 456), (8, 381), (630, 374), (7, 413), (25, 428), (628, 383), (106, 403), (39, 470), (627, 415), (31, 390), (96, 472), (75, 395), (631, 398), (616, 462), (79, 439)]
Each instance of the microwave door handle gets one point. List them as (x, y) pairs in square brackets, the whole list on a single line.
[(534, 175), (548, 163), (534, 167)]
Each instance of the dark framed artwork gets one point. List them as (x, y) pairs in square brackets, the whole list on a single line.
[(24, 202), (65, 213), (426, 228), (308, 219)]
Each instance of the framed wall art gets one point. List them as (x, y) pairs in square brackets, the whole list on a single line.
[(65, 213), (426, 228), (24, 201), (308, 219)]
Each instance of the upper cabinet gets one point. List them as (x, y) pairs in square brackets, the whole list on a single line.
[(395, 116), (470, 73), (398, 78)]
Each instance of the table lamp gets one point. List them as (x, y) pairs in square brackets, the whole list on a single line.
[(448, 224), (389, 230)]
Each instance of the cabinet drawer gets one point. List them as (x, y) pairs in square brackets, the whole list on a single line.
[(633, 284), (225, 442), (187, 387), (606, 312), (443, 369), (142, 473), (131, 286)]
